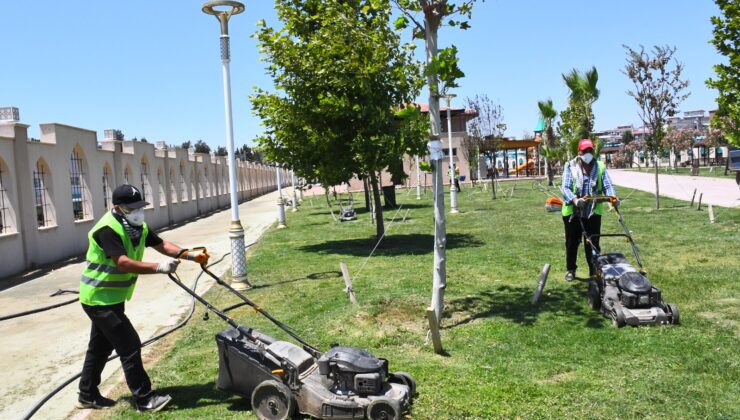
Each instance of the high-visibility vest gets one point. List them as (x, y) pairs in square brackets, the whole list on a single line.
[(102, 283), (599, 209)]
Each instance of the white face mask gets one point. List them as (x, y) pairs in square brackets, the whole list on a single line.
[(136, 217), (587, 158)]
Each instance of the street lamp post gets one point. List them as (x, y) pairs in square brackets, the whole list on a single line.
[(280, 202), (418, 180), (295, 193), (223, 10), (453, 190)]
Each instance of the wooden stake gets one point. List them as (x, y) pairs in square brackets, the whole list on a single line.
[(711, 214), (692, 198), (434, 329), (347, 282), (700, 197)]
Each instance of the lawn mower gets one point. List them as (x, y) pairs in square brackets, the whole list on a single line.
[(348, 213), (620, 291), (281, 378)]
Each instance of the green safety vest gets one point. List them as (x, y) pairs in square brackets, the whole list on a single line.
[(567, 209), (102, 283)]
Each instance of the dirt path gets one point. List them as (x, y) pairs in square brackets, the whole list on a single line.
[(39, 351)]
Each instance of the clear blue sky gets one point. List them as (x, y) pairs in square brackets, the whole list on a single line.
[(152, 68)]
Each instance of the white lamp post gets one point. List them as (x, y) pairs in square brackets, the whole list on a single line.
[(453, 190), (280, 202), (295, 193), (223, 10), (418, 180)]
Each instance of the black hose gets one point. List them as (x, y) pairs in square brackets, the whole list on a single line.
[(179, 325), (37, 310)]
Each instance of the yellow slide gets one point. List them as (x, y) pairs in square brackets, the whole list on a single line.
[(522, 167)]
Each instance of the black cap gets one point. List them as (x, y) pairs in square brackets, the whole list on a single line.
[(128, 196)]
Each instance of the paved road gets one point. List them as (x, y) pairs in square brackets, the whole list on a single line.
[(39, 351), (717, 191)]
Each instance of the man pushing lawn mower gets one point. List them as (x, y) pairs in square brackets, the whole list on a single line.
[(583, 176), (114, 261)]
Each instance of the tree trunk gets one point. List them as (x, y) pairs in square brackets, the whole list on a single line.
[(657, 189), (367, 194), (477, 157), (727, 163), (440, 234), (493, 175), (379, 228)]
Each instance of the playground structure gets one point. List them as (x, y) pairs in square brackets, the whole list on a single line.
[(516, 157)]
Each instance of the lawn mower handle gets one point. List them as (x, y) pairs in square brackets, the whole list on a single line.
[(308, 347)]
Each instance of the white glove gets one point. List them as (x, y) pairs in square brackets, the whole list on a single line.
[(168, 266)]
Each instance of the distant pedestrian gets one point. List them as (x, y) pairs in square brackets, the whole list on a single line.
[(457, 177)]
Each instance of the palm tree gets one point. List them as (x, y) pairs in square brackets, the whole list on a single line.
[(548, 115), (583, 94)]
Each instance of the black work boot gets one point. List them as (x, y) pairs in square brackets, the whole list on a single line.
[(154, 403), (97, 403)]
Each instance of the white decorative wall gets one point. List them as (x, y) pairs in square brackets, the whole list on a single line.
[(25, 244)]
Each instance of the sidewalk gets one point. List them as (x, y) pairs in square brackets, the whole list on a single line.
[(39, 351), (716, 191)]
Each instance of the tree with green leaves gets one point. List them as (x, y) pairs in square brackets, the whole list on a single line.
[(441, 66), (202, 147), (342, 79), (627, 138), (658, 92), (548, 115), (726, 34), (221, 151), (577, 120), (186, 145)]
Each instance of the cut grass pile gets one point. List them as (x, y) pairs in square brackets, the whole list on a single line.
[(506, 358)]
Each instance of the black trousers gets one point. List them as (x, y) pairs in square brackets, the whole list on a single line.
[(573, 239), (112, 330)]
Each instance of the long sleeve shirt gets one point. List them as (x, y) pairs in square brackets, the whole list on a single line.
[(588, 185)]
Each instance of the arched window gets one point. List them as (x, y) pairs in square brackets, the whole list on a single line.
[(127, 175), (146, 186), (7, 215), (106, 187), (45, 215), (81, 203), (205, 186), (160, 182), (173, 190), (193, 181), (183, 184)]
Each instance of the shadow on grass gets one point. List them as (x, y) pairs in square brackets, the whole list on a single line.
[(313, 276), (410, 244), (203, 395), (515, 304)]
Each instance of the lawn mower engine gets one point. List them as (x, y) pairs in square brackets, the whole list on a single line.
[(281, 378), (626, 296)]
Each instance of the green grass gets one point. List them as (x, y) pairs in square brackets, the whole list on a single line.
[(712, 172), (506, 358)]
